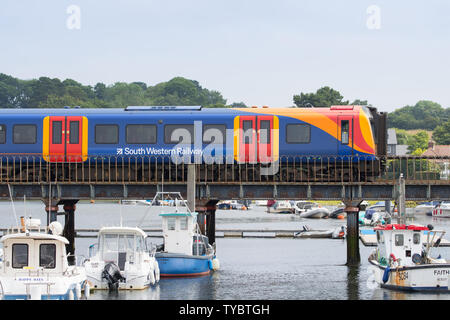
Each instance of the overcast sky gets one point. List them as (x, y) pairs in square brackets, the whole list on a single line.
[(392, 53)]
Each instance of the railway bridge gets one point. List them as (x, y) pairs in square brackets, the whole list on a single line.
[(203, 185)]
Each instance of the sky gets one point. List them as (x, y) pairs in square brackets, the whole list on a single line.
[(391, 53)]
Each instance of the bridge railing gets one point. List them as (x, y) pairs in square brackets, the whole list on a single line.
[(162, 169)]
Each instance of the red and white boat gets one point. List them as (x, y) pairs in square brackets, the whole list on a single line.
[(403, 260), (442, 210)]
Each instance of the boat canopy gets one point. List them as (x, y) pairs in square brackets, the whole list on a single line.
[(33, 235), (401, 227)]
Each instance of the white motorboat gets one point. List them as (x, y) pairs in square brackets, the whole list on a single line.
[(283, 206), (307, 232), (261, 203), (425, 207), (311, 210), (442, 210), (34, 264), (135, 202), (122, 260), (402, 262)]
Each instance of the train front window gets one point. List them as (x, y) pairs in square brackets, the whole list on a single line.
[(141, 133), (2, 133), (24, 134), (107, 134), (345, 131)]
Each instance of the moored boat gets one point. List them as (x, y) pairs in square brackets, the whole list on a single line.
[(185, 252), (442, 210), (122, 260), (34, 265), (425, 207), (402, 262), (282, 206)]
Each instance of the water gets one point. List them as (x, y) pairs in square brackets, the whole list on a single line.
[(250, 268)]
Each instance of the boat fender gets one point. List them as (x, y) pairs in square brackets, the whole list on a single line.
[(386, 274), (77, 291), (87, 289), (215, 264), (157, 273), (152, 277), (210, 265), (70, 295)]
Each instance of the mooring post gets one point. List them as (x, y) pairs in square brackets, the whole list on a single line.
[(69, 229), (51, 206), (211, 224), (191, 185), (352, 210)]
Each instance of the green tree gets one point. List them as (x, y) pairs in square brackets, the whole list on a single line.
[(441, 135), (423, 115), (418, 141), (324, 97)]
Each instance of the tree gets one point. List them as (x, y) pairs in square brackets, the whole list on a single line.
[(418, 141), (423, 115), (441, 134), (324, 97)]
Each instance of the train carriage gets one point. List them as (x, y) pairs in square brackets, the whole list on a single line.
[(261, 136)]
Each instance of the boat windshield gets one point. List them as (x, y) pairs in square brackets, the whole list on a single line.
[(114, 246)]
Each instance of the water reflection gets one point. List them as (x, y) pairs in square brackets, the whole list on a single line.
[(353, 282)]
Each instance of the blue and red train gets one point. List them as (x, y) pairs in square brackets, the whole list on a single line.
[(245, 135)]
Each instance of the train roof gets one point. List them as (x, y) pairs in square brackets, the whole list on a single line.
[(170, 110)]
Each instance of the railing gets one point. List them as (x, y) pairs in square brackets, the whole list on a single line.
[(161, 169)]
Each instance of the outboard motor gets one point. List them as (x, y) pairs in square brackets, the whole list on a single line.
[(111, 273)]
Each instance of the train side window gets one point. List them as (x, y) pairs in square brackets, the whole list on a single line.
[(74, 135), (106, 134), (345, 130), (298, 133), (2, 133), (211, 133), (19, 255), (47, 255), (173, 135), (57, 132), (141, 133), (24, 134), (247, 127)]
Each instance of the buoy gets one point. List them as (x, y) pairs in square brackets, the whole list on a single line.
[(92, 201), (341, 216)]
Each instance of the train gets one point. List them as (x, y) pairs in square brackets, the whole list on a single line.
[(255, 135)]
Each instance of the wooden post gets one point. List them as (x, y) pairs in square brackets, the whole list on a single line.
[(352, 210), (69, 229)]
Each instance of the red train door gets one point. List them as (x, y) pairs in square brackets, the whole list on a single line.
[(64, 139), (247, 143), (265, 138), (345, 133)]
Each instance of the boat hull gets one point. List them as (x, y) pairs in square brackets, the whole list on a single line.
[(315, 213), (441, 213), (181, 265), (429, 277)]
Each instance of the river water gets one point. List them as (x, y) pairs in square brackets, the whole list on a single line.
[(250, 268)]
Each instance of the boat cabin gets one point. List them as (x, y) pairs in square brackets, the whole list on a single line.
[(179, 232), (32, 253), (121, 245), (400, 242)]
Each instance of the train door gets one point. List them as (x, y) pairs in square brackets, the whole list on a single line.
[(247, 141), (345, 135), (257, 139), (65, 139)]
